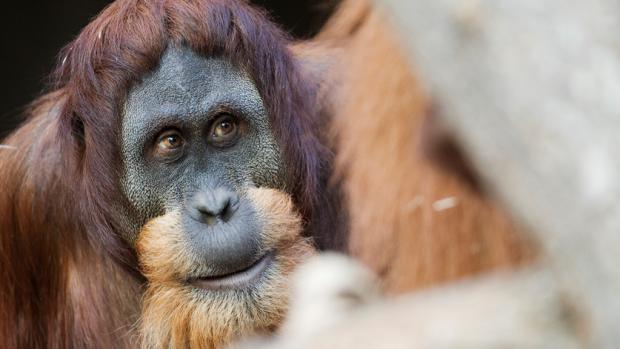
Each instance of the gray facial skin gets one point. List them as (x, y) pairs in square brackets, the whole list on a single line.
[(188, 93)]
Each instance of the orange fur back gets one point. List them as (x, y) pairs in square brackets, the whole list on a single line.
[(412, 221), (177, 316)]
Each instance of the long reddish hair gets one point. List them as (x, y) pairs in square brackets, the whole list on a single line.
[(67, 279), (418, 216)]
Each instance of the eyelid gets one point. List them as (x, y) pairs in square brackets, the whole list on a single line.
[(166, 154), (224, 117), (240, 125), (168, 132), (164, 130)]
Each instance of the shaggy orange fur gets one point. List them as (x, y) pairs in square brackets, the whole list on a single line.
[(176, 315), (413, 221)]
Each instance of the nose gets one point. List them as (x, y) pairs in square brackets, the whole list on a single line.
[(211, 206)]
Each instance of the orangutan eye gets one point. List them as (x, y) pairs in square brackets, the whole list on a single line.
[(224, 131), (170, 144)]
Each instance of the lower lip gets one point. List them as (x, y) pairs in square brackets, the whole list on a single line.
[(238, 280)]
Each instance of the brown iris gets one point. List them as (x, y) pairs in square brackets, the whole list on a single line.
[(169, 144), (224, 131)]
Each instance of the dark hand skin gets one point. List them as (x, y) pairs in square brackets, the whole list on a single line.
[(195, 135)]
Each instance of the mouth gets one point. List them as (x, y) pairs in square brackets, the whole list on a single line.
[(237, 280)]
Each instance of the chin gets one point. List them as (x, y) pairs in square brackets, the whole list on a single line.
[(189, 304)]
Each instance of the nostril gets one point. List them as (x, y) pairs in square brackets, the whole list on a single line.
[(230, 207), (216, 204), (206, 215), (228, 211), (207, 212)]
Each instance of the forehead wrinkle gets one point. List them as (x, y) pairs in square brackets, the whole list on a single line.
[(193, 83), (188, 70), (187, 87)]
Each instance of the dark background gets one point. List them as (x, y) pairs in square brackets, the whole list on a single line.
[(33, 32)]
